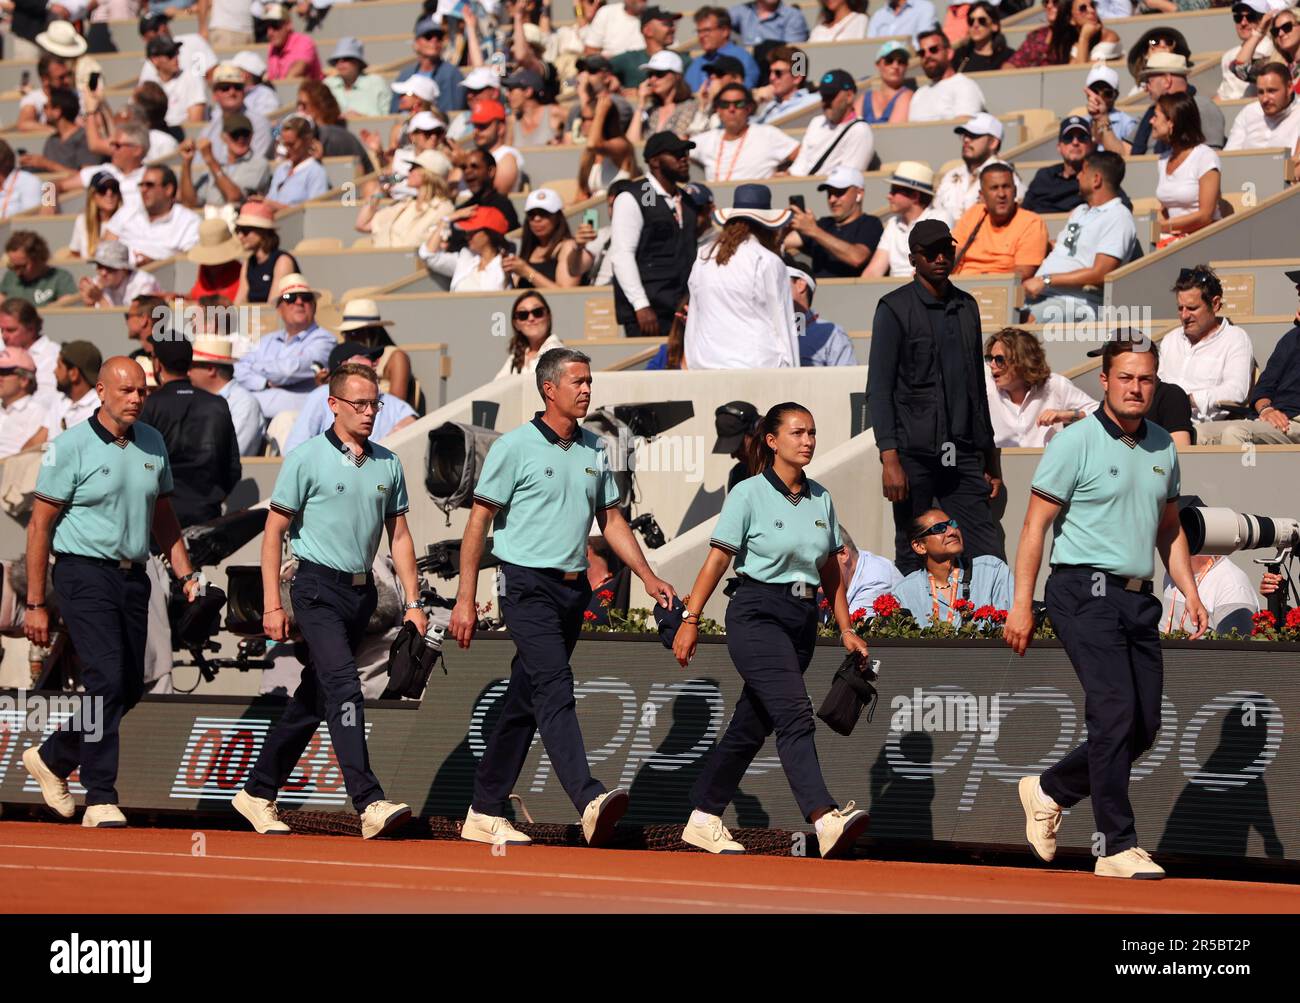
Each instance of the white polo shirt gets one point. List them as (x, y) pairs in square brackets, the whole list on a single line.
[(1253, 130), (960, 188), (1216, 368), (1017, 424), (614, 31), (755, 155), (63, 412), (137, 283), (19, 192), (196, 56), (742, 313), (1224, 588), (19, 422), (957, 96), (894, 240), (157, 239), (183, 91), (854, 150)]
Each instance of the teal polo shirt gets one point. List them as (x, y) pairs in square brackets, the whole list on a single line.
[(546, 491), (778, 536), (106, 488), (1112, 488), (338, 501)]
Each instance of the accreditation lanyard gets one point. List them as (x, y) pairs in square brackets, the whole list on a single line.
[(717, 163), (962, 582)]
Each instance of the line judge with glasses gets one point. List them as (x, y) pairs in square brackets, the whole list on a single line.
[(541, 486), (334, 496)]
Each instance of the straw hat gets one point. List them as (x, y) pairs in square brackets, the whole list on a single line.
[(914, 175), (361, 313), (60, 38), (217, 245), (294, 283), (214, 350), (754, 203)]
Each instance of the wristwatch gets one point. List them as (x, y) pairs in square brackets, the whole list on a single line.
[(1047, 282), (413, 605)]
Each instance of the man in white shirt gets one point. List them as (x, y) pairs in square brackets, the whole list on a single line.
[(115, 282), (911, 197), (1208, 357), (213, 370), (1225, 590), (22, 418), (1246, 18), (19, 190), (196, 54), (742, 313), (187, 96), (228, 23), (21, 326), (130, 147), (837, 136), (489, 121), (786, 91), (740, 150), (159, 228), (615, 29), (981, 141), (1273, 120), (948, 94), (75, 374), (867, 575)]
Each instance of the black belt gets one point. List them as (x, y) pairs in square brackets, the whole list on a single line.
[(556, 573), (1142, 585), (796, 590), (100, 562), (335, 575)]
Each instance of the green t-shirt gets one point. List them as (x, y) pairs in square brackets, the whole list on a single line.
[(54, 284)]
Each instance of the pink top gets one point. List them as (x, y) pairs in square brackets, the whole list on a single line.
[(297, 47)]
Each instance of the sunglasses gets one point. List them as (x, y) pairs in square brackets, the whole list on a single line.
[(659, 74), (7, 372), (537, 313), (362, 406), (938, 529), (996, 360), (1279, 30), (148, 184), (1247, 16), (1196, 275), (298, 298), (978, 21), (723, 105), (932, 50), (240, 135), (228, 87), (836, 193), (429, 36), (105, 188), (1161, 40), (896, 57), (935, 251)]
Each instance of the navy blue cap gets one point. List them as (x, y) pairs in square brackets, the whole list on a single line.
[(699, 194), (1074, 123), (668, 620)]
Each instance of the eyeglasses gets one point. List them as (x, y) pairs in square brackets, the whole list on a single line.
[(1279, 30), (7, 372), (1197, 275), (298, 298), (537, 313), (1247, 15), (228, 87), (363, 406), (938, 529), (239, 135), (996, 360), (106, 188), (723, 105), (244, 230), (896, 57), (932, 50), (429, 36), (148, 184), (978, 21)]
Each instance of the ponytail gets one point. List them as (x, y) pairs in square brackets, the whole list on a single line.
[(761, 455)]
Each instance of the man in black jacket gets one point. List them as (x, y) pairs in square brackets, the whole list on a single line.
[(929, 409), (199, 433)]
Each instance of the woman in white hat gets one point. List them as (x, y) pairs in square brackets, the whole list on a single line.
[(532, 335), (219, 255), (423, 201), (267, 265), (362, 322), (742, 312), (549, 257), (664, 101)]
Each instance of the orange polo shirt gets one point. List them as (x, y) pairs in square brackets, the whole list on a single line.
[(1023, 241)]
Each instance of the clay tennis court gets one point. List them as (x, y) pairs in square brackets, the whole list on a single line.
[(48, 867)]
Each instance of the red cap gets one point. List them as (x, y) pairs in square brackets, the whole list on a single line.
[(485, 217), (486, 111)]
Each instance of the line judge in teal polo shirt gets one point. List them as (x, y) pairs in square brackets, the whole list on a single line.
[(541, 486), (102, 492), (1108, 485), (782, 531), (335, 495)]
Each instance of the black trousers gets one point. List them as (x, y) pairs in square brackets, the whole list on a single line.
[(1113, 641), (332, 616), (960, 490), (106, 611), (544, 615), (771, 634)]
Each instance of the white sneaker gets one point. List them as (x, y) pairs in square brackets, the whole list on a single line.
[(54, 789), (382, 817), (712, 836), (1041, 820), (493, 829), (264, 815), (103, 816), (1134, 862), (600, 817), (841, 828)]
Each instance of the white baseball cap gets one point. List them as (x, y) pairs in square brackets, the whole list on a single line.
[(545, 199), (250, 62), (982, 124), (799, 273), (1102, 75), (665, 60), (843, 176), (479, 78), (424, 88), (426, 121)]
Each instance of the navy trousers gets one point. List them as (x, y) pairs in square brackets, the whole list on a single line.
[(771, 634), (332, 616), (1113, 641), (106, 611), (960, 490), (544, 615)]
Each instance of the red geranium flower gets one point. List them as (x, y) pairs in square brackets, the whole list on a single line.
[(605, 596), (1262, 622), (999, 616), (1293, 618), (825, 604), (886, 605), (984, 613), (858, 615), (589, 616), (963, 606)]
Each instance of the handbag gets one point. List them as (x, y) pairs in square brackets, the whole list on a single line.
[(410, 663), (850, 691)]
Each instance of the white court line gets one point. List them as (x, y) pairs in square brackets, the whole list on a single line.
[(627, 879), (390, 886)]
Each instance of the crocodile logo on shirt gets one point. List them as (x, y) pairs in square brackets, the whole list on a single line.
[(149, 466), (820, 524), (1159, 470), (382, 488), (590, 472)]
